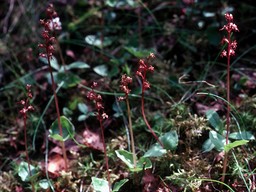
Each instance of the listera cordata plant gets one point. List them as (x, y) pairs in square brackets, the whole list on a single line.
[(125, 81), (101, 115), (229, 51), (50, 25), (143, 69), (27, 107)]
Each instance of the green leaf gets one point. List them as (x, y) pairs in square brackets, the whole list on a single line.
[(155, 150), (69, 79), (83, 108), (246, 135), (53, 61), (207, 146), (218, 140), (127, 158), (143, 164), (215, 120), (119, 184), (82, 117), (234, 144), (96, 41), (68, 129), (44, 184), (23, 171), (170, 140), (121, 3), (76, 65), (100, 185), (101, 70), (138, 53)]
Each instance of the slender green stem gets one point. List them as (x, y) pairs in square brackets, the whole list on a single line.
[(131, 131)]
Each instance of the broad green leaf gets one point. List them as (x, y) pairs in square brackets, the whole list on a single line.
[(82, 108), (44, 184), (246, 135), (119, 184), (170, 140), (234, 144), (215, 120), (53, 61), (217, 139), (155, 150), (101, 70), (121, 3), (69, 79), (82, 117), (143, 164), (68, 129), (67, 111), (207, 145), (138, 53), (100, 185), (96, 41), (127, 158), (77, 65), (23, 171)]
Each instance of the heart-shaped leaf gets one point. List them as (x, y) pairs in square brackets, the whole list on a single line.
[(100, 185), (127, 158), (68, 129)]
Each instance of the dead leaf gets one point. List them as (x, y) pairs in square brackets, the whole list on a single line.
[(92, 140), (56, 164)]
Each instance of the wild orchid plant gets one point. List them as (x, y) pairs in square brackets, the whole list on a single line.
[(125, 81), (144, 67), (228, 52), (50, 25), (27, 108), (101, 115)]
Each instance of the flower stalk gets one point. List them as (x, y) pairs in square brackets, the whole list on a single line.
[(228, 52), (49, 26), (141, 72), (27, 108), (101, 115), (125, 81)]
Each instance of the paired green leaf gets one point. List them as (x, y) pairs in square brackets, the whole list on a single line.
[(234, 144), (100, 185), (76, 65), (23, 171), (53, 62), (246, 135), (208, 146), (127, 158), (97, 42), (119, 184), (68, 129), (215, 120), (138, 53), (101, 70), (218, 140), (155, 150), (170, 140)]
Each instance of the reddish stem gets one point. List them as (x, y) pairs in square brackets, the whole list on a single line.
[(145, 119), (104, 148), (225, 162), (57, 110)]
